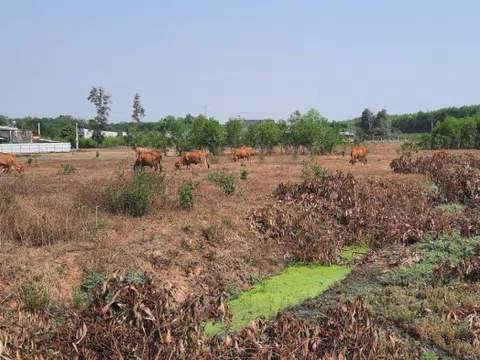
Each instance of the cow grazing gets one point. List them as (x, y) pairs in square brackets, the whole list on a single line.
[(193, 157), (149, 158), (358, 153), (242, 153), (441, 155), (9, 162)]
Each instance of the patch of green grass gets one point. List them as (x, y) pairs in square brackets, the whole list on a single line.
[(34, 296), (214, 160), (453, 248), (136, 278), (451, 208)]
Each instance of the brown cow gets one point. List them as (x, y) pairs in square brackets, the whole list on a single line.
[(358, 153), (242, 153), (9, 161), (149, 158), (441, 155), (193, 157)]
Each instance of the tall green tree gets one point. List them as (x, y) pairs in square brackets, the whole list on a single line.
[(101, 100), (367, 121), (268, 135), (207, 133), (234, 132), (176, 130), (138, 109), (383, 122)]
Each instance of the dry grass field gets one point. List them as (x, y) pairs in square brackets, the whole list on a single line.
[(168, 242), (61, 231)]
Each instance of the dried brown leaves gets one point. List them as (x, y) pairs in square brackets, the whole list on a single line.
[(315, 220)]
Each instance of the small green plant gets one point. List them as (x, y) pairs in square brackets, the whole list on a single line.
[(32, 160), (35, 297), (67, 169), (232, 290), (211, 233), (311, 170), (226, 181), (254, 278), (408, 147), (186, 192), (97, 154), (7, 201), (244, 174), (214, 160), (61, 269), (188, 229)]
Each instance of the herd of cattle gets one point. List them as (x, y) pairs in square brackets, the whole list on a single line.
[(153, 158)]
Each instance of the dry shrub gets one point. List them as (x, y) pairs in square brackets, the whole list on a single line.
[(43, 222), (315, 220), (457, 176)]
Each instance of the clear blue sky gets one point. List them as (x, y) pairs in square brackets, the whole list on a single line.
[(255, 58)]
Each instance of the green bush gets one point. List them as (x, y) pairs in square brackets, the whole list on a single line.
[(243, 174), (32, 160), (214, 160), (135, 196), (186, 192), (67, 169), (113, 142), (312, 170), (226, 181), (87, 143), (7, 201)]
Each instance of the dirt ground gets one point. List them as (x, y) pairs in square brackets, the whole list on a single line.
[(169, 243)]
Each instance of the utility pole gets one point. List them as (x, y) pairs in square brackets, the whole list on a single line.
[(76, 135), (205, 110), (38, 130)]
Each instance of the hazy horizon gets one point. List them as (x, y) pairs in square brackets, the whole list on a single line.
[(253, 59)]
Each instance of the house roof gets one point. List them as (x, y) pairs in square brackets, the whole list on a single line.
[(8, 128)]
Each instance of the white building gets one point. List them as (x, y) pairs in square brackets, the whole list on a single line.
[(87, 134)]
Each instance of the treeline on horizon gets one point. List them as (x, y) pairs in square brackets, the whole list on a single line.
[(311, 131), (453, 127)]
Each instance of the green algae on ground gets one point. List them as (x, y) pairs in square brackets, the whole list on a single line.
[(355, 251), (293, 286)]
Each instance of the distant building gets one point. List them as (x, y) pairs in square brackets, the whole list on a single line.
[(87, 134), (347, 134), (13, 135)]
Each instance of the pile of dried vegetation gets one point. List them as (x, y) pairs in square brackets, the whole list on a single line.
[(457, 176), (128, 320), (314, 220)]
